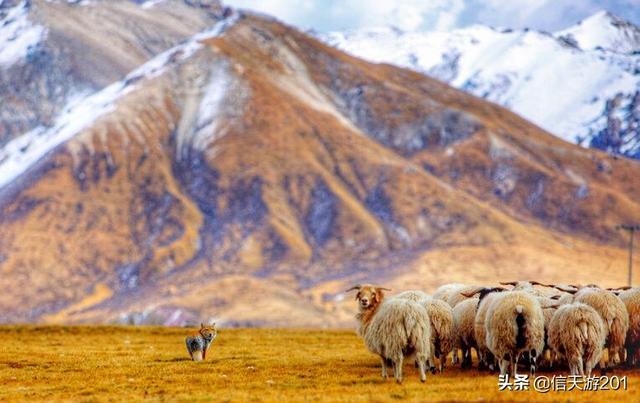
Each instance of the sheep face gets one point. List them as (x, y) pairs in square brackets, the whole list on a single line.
[(369, 296)]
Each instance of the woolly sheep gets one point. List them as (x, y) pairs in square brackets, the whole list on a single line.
[(456, 297), (631, 299), (413, 295), (549, 306), (528, 286), (393, 329), (441, 317), (442, 328), (444, 290), (464, 315), (614, 316), (514, 325), (577, 332), (486, 296)]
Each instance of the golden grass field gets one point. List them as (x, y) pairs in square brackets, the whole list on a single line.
[(104, 363)]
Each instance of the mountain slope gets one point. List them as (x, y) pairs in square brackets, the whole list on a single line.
[(53, 53), (251, 173), (582, 84)]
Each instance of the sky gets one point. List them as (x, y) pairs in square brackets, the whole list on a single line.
[(444, 15)]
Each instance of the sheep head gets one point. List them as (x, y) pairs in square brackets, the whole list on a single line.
[(368, 295)]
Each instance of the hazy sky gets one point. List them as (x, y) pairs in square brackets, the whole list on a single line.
[(328, 15)]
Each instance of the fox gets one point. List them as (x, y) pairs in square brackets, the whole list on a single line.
[(198, 344)]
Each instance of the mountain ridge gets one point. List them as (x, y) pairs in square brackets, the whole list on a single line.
[(591, 95), (255, 178)]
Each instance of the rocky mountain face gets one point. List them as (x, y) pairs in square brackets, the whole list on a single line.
[(581, 84), (251, 173)]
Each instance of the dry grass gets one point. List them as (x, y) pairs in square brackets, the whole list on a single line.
[(127, 363)]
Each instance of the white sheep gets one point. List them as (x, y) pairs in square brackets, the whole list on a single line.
[(442, 328), (486, 296), (549, 307), (413, 295), (464, 315), (393, 329), (529, 286), (631, 299), (444, 290), (614, 316), (514, 325), (458, 295), (441, 318), (577, 332)]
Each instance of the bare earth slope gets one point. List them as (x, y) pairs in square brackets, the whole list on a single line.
[(252, 173)]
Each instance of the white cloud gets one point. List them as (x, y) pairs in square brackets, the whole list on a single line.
[(409, 15)]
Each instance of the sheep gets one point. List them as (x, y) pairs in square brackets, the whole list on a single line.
[(614, 316), (514, 325), (444, 290), (442, 328), (393, 329), (528, 286), (549, 306), (631, 299), (577, 332), (464, 315), (413, 295), (441, 317), (455, 297), (486, 295)]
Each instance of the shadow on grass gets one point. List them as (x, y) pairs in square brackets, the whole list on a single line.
[(175, 359)]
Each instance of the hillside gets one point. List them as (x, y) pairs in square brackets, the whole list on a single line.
[(252, 173), (581, 84)]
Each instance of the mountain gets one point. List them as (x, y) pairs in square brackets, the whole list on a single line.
[(581, 84), (251, 173), (54, 53)]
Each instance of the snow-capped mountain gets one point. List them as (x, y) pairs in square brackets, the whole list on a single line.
[(581, 84)]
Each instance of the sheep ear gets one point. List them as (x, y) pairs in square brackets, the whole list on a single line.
[(384, 289), (470, 294), (554, 306), (534, 282), (626, 287), (567, 290)]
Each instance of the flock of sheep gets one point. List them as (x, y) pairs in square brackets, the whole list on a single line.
[(537, 323)]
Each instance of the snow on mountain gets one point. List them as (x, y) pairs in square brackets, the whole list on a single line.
[(18, 36), (586, 95), (606, 31), (21, 153)]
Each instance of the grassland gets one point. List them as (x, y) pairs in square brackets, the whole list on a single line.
[(148, 363)]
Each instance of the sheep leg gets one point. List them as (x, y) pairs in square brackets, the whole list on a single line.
[(384, 367), (532, 361), (423, 370), (397, 369), (454, 356), (491, 361), (603, 364), (432, 365), (504, 366), (466, 357)]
